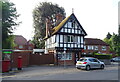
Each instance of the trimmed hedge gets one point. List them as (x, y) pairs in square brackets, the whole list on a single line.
[(99, 56)]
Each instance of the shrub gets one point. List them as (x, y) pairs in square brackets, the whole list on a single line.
[(102, 56)]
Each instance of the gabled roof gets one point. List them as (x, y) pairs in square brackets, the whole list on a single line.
[(94, 41), (20, 40), (57, 28)]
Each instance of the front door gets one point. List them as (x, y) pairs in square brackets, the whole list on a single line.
[(76, 56)]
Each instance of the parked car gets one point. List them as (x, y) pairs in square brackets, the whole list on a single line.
[(88, 63), (116, 59)]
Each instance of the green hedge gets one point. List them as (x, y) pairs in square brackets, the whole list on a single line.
[(99, 56)]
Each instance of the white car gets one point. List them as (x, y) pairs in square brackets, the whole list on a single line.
[(116, 59), (89, 63)]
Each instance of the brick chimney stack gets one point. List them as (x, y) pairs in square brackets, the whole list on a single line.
[(48, 27), (59, 18)]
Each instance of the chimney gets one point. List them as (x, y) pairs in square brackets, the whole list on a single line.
[(48, 27), (59, 18)]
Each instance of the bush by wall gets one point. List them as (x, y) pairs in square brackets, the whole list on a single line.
[(97, 55), (102, 56)]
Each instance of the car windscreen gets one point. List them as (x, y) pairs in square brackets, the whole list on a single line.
[(82, 59)]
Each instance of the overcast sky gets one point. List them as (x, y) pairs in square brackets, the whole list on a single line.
[(98, 17)]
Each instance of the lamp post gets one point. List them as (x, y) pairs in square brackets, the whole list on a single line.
[(64, 57)]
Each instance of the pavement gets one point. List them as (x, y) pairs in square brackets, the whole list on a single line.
[(42, 70)]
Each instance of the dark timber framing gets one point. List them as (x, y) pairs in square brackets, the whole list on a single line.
[(71, 27)]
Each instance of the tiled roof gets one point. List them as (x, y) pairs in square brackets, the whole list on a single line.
[(94, 41), (20, 40), (56, 29)]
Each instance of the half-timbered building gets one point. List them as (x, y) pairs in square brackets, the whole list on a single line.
[(65, 40)]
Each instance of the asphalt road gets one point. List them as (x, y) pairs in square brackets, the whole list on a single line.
[(61, 73)]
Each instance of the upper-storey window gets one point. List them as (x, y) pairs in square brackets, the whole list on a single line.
[(69, 38), (69, 24), (96, 47), (90, 47), (103, 48)]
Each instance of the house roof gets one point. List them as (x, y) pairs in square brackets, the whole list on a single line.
[(20, 40), (94, 41), (57, 28)]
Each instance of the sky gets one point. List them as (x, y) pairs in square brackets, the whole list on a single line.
[(97, 17)]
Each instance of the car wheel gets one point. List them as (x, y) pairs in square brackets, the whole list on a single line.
[(102, 67), (78, 68), (87, 67)]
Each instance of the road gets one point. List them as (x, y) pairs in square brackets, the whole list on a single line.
[(61, 73)]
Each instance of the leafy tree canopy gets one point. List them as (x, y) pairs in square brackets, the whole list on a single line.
[(40, 13), (9, 17), (114, 42)]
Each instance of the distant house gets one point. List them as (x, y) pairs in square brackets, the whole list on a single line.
[(22, 43), (95, 45), (65, 40)]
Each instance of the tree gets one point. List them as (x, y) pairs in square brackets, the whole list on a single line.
[(9, 17), (108, 36), (114, 42), (40, 13)]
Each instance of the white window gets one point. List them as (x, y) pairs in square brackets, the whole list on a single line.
[(104, 48), (61, 38), (69, 38), (81, 39), (69, 25), (20, 46), (96, 47), (67, 56), (90, 47), (76, 25), (85, 47)]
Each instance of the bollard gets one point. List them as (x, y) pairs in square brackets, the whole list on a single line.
[(19, 62)]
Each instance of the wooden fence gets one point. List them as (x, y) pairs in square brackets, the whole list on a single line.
[(37, 59)]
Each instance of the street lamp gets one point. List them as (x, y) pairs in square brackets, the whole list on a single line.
[(64, 56)]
